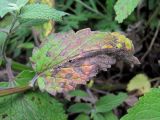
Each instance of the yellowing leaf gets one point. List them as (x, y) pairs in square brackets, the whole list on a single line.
[(123, 40), (140, 82)]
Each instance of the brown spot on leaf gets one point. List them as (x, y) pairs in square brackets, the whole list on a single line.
[(68, 76)]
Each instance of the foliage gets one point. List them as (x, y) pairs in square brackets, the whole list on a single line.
[(109, 102), (32, 57), (31, 106), (102, 108), (20, 105), (88, 11), (101, 12), (147, 108)]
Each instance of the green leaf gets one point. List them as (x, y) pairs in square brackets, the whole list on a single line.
[(80, 107), (110, 116), (78, 93), (98, 116), (23, 78), (4, 7), (7, 6), (109, 102), (139, 82), (40, 12), (147, 108), (26, 45), (21, 3), (31, 106), (82, 117), (124, 8)]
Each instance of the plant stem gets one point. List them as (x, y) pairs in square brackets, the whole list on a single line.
[(89, 8), (152, 42), (9, 91), (7, 39)]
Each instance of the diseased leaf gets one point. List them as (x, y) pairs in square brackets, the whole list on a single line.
[(147, 108), (31, 106), (124, 8), (140, 82), (68, 59), (109, 102)]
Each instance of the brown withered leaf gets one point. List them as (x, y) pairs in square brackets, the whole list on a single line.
[(68, 59)]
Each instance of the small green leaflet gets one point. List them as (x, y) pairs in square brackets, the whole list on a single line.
[(80, 107), (110, 116), (78, 93), (109, 102), (124, 8)]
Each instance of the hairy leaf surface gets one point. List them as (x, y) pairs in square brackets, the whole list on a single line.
[(36, 11), (30, 106), (147, 108)]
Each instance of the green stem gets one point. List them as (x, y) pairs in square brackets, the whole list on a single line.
[(89, 8), (7, 39)]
